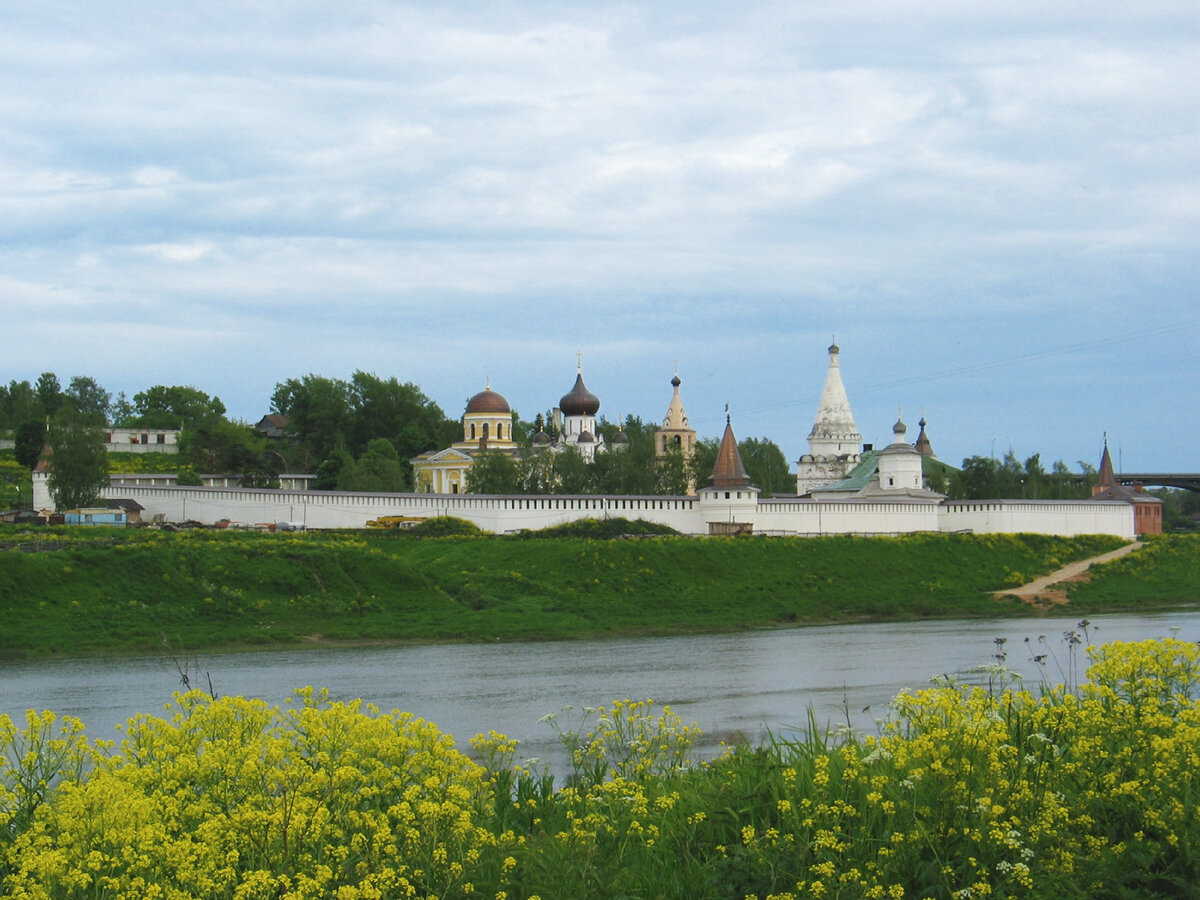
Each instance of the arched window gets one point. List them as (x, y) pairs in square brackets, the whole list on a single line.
[(472, 431), (485, 431), (499, 432)]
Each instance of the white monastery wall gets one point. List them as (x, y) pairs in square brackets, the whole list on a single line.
[(813, 517), (689, 515), (1062, 517)]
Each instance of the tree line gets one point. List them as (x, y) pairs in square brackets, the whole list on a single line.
[(634, 468), (359, 434), (354, 434)]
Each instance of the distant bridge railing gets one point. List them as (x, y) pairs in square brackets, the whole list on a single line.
[(1161, 479)]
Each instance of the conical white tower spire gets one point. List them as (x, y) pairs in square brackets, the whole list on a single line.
[(834, 432), (834, 444)]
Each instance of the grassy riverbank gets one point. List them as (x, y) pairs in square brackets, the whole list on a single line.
[(79, 592)]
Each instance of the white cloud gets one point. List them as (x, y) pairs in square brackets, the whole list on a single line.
[(186, 252), (419, 186)]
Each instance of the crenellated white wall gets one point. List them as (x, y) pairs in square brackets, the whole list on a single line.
[(1061, 517), (689, 515)]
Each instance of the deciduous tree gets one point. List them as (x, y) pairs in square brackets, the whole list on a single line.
[(177, 406), (88, 399), (766, 466), (494, 472), (29, 441), (79, 464), (378, 469)]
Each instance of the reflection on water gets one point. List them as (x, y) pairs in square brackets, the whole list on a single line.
[(731, 685)]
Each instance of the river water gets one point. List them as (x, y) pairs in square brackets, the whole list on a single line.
[(742, 684)]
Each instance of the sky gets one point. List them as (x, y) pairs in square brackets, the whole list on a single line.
[(994, 208)]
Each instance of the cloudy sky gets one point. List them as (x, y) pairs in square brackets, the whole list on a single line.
[(995, 207)]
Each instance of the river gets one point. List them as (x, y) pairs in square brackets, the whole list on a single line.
[(741, 684)]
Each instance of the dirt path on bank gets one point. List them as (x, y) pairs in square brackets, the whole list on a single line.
[(1041, 591)]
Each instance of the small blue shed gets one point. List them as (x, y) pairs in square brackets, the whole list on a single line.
[(96, 516)]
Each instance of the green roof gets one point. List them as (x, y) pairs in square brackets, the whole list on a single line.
[(864, 473)]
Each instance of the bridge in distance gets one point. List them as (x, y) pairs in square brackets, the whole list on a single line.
[(1162, 479)]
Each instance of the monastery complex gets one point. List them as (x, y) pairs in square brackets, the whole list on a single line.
[(844, 486)]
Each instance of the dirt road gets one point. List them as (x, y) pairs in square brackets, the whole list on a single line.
[(1041, 591)]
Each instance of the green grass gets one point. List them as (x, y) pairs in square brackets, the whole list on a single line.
[(94, 591), (1165, 571), (142, 463)]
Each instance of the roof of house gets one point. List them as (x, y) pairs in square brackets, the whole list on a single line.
[(1109, 488)]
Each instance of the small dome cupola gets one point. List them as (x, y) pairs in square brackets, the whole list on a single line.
[(899, 430)]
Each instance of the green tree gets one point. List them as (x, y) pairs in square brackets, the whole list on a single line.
[(1012, 476), (176, 406), (328, 414), (88, 399), (978, 479), (18, 402), (232, 448), (536, 469), (1036, 479), (767, 467), (318, 411), (79, 464), (330, 470), (629, 468), (572, 474), (494, 472), (704, 460), (29, 440), (400, 412), (49, 394), (378, 469), (121, 411), (673, 473)]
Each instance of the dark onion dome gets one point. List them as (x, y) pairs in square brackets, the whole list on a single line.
[(488, 401), (585, 437), (675, 382), (620, 437), (580, 402), (541, 438)]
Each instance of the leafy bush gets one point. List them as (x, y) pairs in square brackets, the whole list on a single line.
[(445, 526), (603, 529)]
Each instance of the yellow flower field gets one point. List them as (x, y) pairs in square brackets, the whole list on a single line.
[(964, 792)]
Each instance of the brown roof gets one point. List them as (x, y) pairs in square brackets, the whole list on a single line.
[(1107, 486), (730, 471), (579, 401), (488, 401), (923, 446)]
